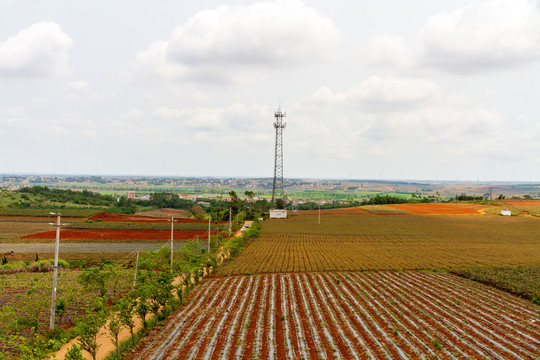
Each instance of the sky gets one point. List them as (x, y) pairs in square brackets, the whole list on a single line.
[(419, 89)]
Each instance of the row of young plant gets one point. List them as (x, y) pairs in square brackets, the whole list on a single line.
[(156, 294)]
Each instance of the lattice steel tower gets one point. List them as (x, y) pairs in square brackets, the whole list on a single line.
[(277, 190)]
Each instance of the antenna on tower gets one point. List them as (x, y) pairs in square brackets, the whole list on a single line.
[(277, 190)]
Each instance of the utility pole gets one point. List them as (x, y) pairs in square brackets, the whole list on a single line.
[(136, 268), (55, 269), (319, 213), (172, 241), (209, 218), (230, 221)]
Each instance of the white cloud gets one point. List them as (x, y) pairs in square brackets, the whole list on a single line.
[(133, 114), (37, 51), (214, 45), (79, 85), (13, 117), (388, 50), (493, 34), (237, 117), (378, 94)]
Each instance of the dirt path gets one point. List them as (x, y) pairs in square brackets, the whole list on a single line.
[(103, 339), (239, 232)]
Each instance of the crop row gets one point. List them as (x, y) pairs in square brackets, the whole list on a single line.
[(380, 315), (299, 252)]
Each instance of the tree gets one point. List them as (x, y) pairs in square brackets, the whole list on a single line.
[(114, 326), (88, 329), (93, 278), (250, 194), (60, 310), (74, 353), (126, 309), (142, 309)]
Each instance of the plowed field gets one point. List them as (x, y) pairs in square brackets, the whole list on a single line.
[(384, 315), (389, 243), (90, 234), (341, 211), (441, 208), (103, 217), (520, 202)]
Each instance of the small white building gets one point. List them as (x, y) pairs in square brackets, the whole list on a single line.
[(506, 212), (278, 214)]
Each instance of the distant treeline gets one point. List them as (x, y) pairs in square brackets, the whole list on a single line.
[(84, 197), (376, 200)]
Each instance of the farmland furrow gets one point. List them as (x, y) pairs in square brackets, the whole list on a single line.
[(241, 333), (409, 349), (356, 313), (256, 350), (323, 323), (372, 315), (267, 330), (176, 325), (373, 320), (421, 325), (514, 309), (486, 319), (455, 325), (357, 346), (287, 335), (418, 350), (327, 297), (323, 351), (207, 346), (215, 345), (440, 329), (304, 340), (181, 347), (475, 326)]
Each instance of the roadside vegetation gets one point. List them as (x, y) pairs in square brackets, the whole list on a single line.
[(100, 293)]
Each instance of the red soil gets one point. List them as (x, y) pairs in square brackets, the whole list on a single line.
[(441, 208), (89, 234), (103, 217)]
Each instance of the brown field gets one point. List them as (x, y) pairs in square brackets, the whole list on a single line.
[(90, 234), (37, 218), (384, 210), (526, 203), (383, 315), (14, 229), (167, 213), (389, 242), (343, 211), (87, 256), (104, 217), (441, 208)]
